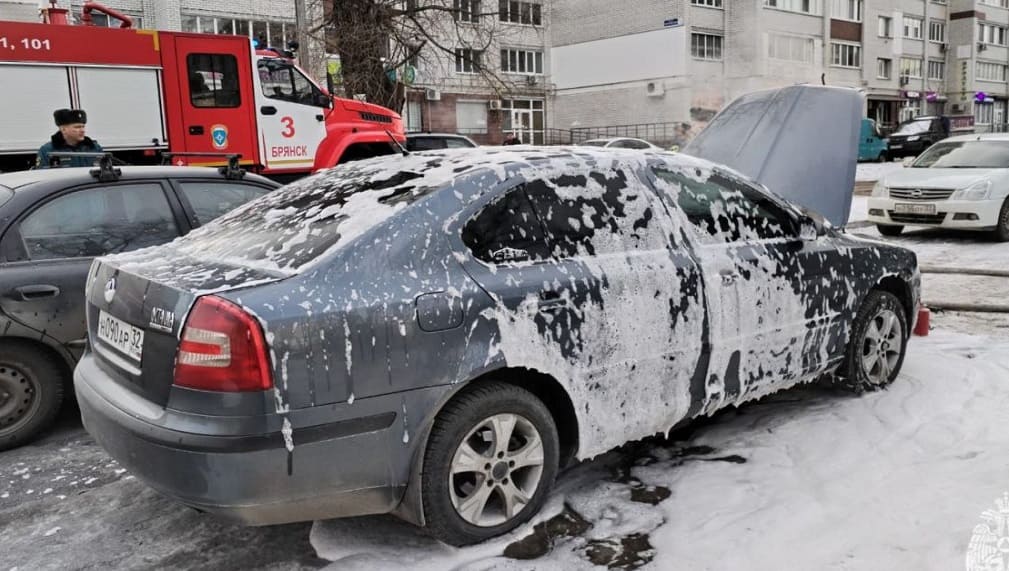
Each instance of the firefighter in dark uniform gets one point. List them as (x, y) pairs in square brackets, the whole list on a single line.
[(69, 139)]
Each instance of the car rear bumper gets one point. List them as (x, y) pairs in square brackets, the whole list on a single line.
[(961, 214), (353, 466)]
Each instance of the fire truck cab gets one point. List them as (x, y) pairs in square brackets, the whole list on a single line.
[(148, 92)]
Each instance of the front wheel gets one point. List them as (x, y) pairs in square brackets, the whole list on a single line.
[(490, 462), (888, 230), (878, 343), (1001, 232), (882, 157)]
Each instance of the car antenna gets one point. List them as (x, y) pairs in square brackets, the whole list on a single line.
[(402, 149)]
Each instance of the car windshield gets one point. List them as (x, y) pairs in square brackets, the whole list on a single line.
[(913, 127), (595, 143), (5, 194), (965, 155)]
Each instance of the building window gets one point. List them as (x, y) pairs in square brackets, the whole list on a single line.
[(912, 28), (937, 31), (104, 21), (910, 67), (708, 3), (706, 46), (790, 48), (847, 10), (983, 113), (991, 34), (813, 7), (467, 11), (467, 60), (471, 117), (522, 61), (883, 67), (999, 3), (267, 34), (846, 55), (413, 116), (991, 71), (885, 27), (936, 69), (529, 13)]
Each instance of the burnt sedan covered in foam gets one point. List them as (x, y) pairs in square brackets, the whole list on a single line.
[(436, 336)]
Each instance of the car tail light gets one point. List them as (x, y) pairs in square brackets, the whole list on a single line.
[(222, 349)]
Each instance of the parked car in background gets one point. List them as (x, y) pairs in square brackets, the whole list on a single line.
[(961, 182), (622, 143), (436, 141), (872, 146), (436, 335), (53, 223), (912, 137)]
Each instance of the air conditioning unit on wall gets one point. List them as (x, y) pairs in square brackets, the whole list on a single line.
[(432, 95), (655, 89), (494, 104)]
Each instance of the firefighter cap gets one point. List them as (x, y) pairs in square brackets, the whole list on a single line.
[(69, 116)]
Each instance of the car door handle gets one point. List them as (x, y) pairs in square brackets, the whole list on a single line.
[(268, 110), (551, 301), (196, 129), (38, 291), (320, 117), (729, 278)]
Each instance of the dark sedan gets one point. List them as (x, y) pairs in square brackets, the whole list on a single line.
[(436, 335), (53, 223)]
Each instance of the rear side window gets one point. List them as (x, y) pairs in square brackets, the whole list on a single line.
[(456, 143), (99, 221), (506, 230), (599, 213), (5, 194), (425, 144), (212, 199), (213, 80)]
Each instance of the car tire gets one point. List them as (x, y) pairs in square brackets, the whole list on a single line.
[(881, 158), (31, 393), (464, 467), (1001, 232), (888, 230), (877, 345)]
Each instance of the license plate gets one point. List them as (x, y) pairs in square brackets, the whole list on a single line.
[(896, 146), (122, 336), (914, 208)]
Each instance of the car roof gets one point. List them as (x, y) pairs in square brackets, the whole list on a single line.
[(80, 175), (446, 135), (977, 137)]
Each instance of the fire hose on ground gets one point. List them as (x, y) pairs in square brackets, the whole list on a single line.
[(967, 307)]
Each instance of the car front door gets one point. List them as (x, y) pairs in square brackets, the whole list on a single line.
[(56, 241), (769, 294), (604, 302), (292, 115)]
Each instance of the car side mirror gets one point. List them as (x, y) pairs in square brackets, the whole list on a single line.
[(810, 229)]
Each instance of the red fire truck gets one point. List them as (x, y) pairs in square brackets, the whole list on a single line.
[(150, 92)]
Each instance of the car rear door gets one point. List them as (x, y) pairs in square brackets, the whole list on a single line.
[(56, 239), (595, 295)]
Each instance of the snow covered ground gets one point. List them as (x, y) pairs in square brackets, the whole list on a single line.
[(873, 171)]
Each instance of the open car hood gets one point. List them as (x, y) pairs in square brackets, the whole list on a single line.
[(799, 141)]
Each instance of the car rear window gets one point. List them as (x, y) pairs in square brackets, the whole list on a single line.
[(5, 194), (296, 224)]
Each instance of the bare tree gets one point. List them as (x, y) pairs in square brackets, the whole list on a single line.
[(373, 37)]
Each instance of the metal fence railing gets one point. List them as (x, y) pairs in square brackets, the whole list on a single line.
[(661, 134)]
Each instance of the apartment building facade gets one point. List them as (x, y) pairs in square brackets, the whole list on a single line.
[(487, 76)]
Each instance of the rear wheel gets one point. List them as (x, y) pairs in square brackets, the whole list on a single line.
[(1001, 232), (31, 392), (490, 462), (877, 345), (882, 158), (888, 230)]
